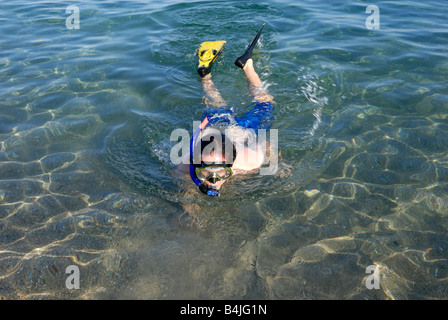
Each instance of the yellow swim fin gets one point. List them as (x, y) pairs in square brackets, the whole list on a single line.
[(208, 52)]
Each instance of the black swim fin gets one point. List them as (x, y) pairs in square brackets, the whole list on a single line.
[(241, 61)]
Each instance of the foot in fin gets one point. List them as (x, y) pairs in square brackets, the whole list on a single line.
[(208, 52), (241, 61)]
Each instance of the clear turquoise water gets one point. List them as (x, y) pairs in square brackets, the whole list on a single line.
[(85, 177)]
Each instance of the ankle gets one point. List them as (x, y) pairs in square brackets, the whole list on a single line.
[(207, 77), (249, 64)]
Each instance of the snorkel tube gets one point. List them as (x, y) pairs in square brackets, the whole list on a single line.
[(208, 190)]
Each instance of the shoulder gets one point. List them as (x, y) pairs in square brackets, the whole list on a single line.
[(248, 158), (249, 153)]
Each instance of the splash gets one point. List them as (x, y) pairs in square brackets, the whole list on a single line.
[(313, 92)]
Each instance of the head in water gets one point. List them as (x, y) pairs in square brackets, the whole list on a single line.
[(217, 156)]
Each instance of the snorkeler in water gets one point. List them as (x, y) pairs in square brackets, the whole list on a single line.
[(214, 157)]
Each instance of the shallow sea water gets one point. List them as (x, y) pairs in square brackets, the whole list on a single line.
[(85, 172)]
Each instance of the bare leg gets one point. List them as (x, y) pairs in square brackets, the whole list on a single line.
[(260, 94), (212, 96)]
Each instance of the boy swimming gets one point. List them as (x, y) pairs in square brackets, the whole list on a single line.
[(216, 156)]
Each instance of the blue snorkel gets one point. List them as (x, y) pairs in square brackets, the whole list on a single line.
[(208, 190)]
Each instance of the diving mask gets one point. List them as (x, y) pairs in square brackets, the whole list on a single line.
[(213, 173)]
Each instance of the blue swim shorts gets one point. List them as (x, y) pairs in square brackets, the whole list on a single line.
[(257, 115)]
